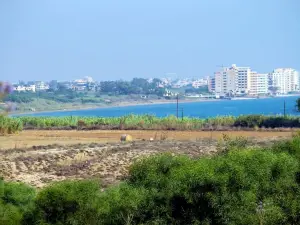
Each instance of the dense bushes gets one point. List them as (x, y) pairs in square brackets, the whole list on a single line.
[(26, 97), (240, 186), (66, 202), (267, 121), (247, 187), (15, 200), (18, 98)]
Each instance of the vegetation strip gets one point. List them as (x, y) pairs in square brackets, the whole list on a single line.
[(146, 122)]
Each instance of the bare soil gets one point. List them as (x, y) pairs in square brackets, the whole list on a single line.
[(41, 157), (30, 138)]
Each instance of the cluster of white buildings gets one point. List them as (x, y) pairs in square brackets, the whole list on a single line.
[(199, 83), (82, 84), (78, 85), (37, 86), (236, 80), (179, 83), (195, 83)]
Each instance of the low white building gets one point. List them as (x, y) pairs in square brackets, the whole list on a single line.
[(166, 81), (41, 86), (169, 93), (181, 83), (199, 83), (20, 88)]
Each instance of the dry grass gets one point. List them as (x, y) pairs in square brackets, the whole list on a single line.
[(35, 138)]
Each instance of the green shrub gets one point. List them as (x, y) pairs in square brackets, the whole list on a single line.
[(123, 204), (16, 199), (67, 202), (154, 172)]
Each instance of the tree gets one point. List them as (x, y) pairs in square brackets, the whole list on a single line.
[(107, 86), (62, 88), (53, 85)]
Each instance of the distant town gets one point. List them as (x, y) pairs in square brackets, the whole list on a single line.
[(227, 82)]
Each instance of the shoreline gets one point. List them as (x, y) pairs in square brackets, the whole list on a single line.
[(120, 104), (141, 103)]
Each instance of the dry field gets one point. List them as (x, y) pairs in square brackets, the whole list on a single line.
[(30, 138), (40, 157)]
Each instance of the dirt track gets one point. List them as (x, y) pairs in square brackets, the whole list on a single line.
[(30, 138)]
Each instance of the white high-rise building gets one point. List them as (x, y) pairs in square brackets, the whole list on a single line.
[(258, 83), (243, 77), (284, 79), (219, 83), (232, 80), (226, 81)]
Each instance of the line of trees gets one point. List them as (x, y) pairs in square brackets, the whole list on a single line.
[(62, 94), (135, 86)]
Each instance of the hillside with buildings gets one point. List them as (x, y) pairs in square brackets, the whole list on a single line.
[(227, 82)]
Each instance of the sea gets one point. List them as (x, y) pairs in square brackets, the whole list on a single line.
[(205, 109)]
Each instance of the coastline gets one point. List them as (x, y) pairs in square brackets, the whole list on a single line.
[(139, 103), (117, 105)]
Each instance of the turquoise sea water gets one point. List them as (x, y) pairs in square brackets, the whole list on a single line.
[(268, 106)]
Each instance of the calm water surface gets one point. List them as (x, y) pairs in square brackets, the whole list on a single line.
[(268, 106)]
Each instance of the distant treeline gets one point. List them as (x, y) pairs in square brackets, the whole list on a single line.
[(135, 86), (240, 185), (64, 95)]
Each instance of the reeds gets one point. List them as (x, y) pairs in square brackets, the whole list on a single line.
[(150, 122), (10, 125)]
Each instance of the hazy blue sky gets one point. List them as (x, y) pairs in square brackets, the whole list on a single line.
[(113, 39)]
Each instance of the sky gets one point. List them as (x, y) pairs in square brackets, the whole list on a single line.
[(117, 39)]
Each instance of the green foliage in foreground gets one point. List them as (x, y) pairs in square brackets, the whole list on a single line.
[(166, 123), (240, 186), (15, 200)]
